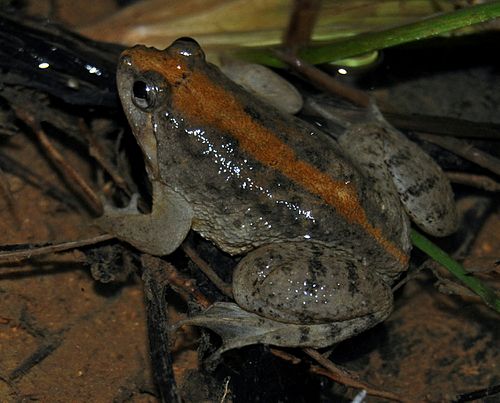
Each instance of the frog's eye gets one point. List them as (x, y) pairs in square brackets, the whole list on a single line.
[(187, 47), (187, 39), (144, 94)]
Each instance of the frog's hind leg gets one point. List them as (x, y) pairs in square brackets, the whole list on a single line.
[(158, 233), (383, 152), (309, 284), (297, 295)]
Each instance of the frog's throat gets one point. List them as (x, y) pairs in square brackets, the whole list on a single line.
[(147, 142)]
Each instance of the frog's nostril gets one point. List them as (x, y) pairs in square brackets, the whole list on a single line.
[(143, 95)]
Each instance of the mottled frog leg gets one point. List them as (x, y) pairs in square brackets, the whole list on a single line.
[(375, 146), (158, 233), (300, 297), (424, 191)]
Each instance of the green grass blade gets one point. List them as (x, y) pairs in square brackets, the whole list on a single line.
[(371, 41), (487, 294)]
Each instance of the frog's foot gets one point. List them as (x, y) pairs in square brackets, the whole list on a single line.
[(158, 233), (239, 328)]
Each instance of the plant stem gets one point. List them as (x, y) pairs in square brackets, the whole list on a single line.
[(371, 41)]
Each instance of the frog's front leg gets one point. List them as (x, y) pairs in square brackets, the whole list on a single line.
[(297, 295), (158, 233)]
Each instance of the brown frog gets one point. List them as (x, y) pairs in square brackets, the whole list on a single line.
[(320, 222)]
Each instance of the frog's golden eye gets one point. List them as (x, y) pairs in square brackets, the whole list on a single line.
[(187, 48), (144, 94)]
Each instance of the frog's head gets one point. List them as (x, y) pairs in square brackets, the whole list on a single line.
[(147, 81)]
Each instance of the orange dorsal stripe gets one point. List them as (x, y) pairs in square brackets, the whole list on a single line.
[(208, 104)]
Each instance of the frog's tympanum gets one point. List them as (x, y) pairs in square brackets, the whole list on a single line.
[(321, 222)]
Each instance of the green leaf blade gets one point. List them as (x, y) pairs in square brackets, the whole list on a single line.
[(484, 292)]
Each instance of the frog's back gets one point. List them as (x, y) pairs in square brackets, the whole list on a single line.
[(263, 177), (255, 176)]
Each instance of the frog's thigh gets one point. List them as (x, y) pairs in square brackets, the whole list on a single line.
[(306, 283), (158, 233), (424, 190)]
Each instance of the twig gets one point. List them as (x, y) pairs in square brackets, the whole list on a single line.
[(286, 356), (226, 389), (12, 386), (73, 176), (184, 286), (28, 253), (330, 370), (40, 354), (97, 151), (442, 125), (4, 186), (478, 394), (70, 172), (339, 375), (301, 24), (16, 168), (155, 288), (324, 81), (207, 270), (477, 181), (465, 150)]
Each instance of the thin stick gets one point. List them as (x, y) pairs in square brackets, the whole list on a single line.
[(96, 150), (339, 375), (477, 181), (14, 167), (73, 176), (207, 270), (464, 150), (155, 288), (186, 287), (24, 254), (325, 81), (442, 125), (301, 24), (286, 356), (5, 187)]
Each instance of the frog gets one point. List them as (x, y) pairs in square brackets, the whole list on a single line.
[(320, 223)]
